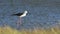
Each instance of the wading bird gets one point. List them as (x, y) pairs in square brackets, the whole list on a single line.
[(20, 15)]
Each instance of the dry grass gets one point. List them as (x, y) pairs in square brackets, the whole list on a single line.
[(9, 30)]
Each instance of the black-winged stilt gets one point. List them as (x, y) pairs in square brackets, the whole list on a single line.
[(20, 15)]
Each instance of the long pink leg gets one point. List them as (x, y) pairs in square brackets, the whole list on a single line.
[(19, 22)]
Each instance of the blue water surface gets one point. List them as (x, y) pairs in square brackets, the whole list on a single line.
[(41, 13)]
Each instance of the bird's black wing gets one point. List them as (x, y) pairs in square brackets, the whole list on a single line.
[(18, 14)]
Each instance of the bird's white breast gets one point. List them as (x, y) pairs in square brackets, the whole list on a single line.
[(24, 14)]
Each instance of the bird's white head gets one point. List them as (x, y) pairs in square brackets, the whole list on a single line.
[(25, 12)]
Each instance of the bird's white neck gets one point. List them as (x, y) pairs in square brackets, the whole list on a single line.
[(24, 14)]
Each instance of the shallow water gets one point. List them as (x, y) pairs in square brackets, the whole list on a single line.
[(41, 13)]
